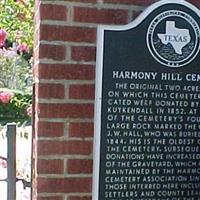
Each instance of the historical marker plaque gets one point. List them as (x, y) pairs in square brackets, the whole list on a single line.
[(147, 119)]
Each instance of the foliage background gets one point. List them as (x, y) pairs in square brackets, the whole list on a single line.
[(16, 109), (17, 20)]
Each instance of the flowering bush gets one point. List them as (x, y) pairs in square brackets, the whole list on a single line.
[(17, 20), (14, 106), (16, 43), (16, 72)]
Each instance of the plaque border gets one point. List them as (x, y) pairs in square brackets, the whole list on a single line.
[(99, 77)]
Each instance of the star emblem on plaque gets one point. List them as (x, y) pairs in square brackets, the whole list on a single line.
[(173, 38)]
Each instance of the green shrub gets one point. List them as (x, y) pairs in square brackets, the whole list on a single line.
[(15, 106)]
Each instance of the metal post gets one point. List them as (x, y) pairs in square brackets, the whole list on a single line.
[(11, 161)]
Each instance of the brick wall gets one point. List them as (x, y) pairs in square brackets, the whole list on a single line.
[(65, 45)]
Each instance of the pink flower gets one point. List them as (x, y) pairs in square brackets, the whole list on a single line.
[(2, 37), (29, 111), (5, 97), (22, 48)]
